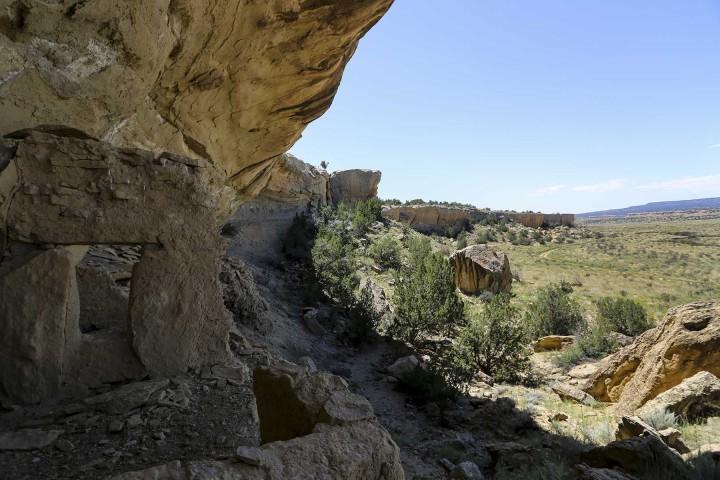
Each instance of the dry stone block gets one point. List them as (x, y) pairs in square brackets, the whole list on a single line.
[(37, 333)]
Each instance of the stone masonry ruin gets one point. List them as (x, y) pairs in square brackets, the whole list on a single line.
[(63, 191)]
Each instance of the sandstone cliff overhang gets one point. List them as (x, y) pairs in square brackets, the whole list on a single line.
[(234, 82), (479, 268)]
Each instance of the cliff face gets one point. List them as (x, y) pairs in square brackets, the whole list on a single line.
[(433, 218), (258, 226), (538, 220), (231, 81)]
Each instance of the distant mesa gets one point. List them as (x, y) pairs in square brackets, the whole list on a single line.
[(441, 218), (544, 220), (657, 207)]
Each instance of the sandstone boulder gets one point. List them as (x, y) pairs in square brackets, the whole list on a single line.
[(352, 186), (686, 342), (361, 451), (404, 366), (572, 394), (637, 456), (629, 427), (694, 398), (479, 268), (552, 343)]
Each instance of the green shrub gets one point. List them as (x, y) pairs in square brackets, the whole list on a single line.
[(425, 298), (428, 384), (623, 315), (553, 311), (419, 248), (363, 317), (495, 342), (594, 343), (367, 212), (485, 236), (660, 419), (453, 231), (461, 241), (385, 251), (335, 264)]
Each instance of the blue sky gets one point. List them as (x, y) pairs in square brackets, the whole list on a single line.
[(552, 105)]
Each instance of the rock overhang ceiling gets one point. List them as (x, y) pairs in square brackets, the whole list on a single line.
[(232, 81)]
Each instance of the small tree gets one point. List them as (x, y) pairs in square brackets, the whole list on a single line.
[(385, 251), (335, 264), (367, 212), (553, 311), (425, 298), (495, 342), (623, 315)]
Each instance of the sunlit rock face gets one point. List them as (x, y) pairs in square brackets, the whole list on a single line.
[(434, 218), (685, 342), (231, 81)]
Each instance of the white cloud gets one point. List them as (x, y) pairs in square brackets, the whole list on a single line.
[(600, 187), (715, 145), (707, 182), (550, 190)]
